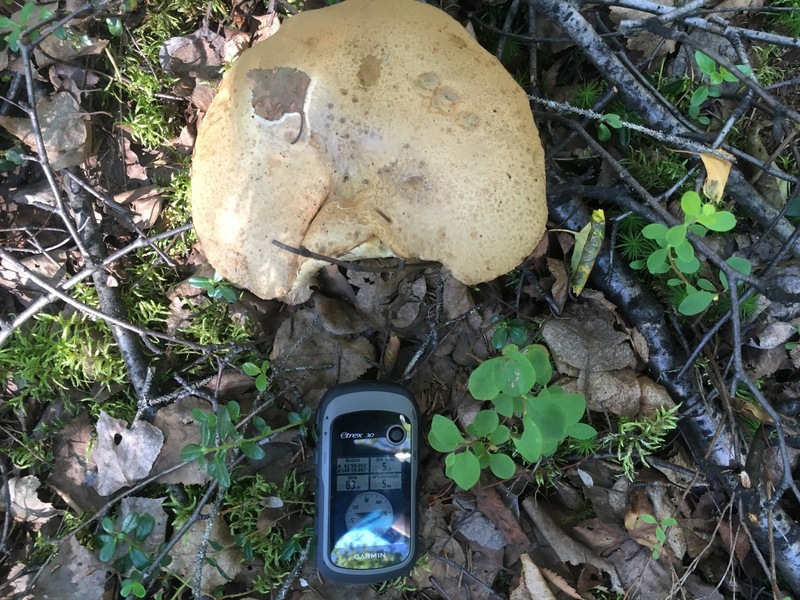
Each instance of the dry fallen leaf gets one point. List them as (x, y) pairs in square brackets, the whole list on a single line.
[(717, 172), (124, 456), (145, 202), (229, 559), (179, 429), (73, 574), (68, 476), (531, 583), (64, 126), (25, 503)]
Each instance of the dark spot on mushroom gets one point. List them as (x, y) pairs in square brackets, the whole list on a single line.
[(330, 104), (277, 92), (458, 41), (342, 120), (370, 71), (355, 100), (344, 92), (383, 215)]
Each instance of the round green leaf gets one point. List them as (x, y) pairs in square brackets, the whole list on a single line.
[(705, 63), (529, 444), (690, 204), (251, 369), (500, 436), (486, 421), (719, 221), (145, 527), (657, 262), (549, 416), (581, 431), (539, 358), (687, 267), (513, 373), (676, 235), (108, 550), (684, 251), (481, 381), (466, 470), (191, 452), (695, 303), (504, 404), (655, 231), (502, 466), (444, 435), (129, 522)]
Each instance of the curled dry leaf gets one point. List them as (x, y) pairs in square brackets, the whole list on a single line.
[(25, 503), (65, 130), (124, 456)]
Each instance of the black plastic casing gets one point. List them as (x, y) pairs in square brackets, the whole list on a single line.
[(365, 533)]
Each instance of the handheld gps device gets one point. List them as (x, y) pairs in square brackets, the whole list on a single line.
[(367, 482)]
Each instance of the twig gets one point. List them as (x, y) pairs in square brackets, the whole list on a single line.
[(295, 572)]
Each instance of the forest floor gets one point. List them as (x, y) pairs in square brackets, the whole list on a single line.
[(122, 352)]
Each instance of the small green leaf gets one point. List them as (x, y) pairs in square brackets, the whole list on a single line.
[(695, 303), (129, 522), (466, 470), (444, 435), (199, 282), (669, 522), (603, 132), (108, 525), (261, 382), (539, 358), (502, 466), (139, 559), (234, 410), (504, 404), (481, 381), (612, 120), (253, 451), (108, 550), (705, 284), (529, 444), (251, 369), (684, 252), (688, 267), (676, 236), (655, 231), (581, 431), (485, 423), (513, 373), (26, 12), (661, 535), (720, 221), (114, 25), (690, 204), (145, 527), (705, 63), (6, 23), (500, 436), (657, 261), (650, 519)]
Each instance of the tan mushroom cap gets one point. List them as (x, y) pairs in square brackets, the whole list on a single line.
[(367, 129)]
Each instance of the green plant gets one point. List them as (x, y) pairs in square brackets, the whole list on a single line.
[(661, 531), (675, 253), (788, 19), (716, 76), (630, 242), (658, 167), (244, 512), (587, 93), (216, 287), (607, 123), (218, 434), (640, 437), (259, 372), (133, 531), (511, 330), (539, 421)]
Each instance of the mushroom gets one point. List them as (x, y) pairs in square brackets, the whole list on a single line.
[(367, 129)]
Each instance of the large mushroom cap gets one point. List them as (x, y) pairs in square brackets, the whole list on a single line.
[(367, 129)]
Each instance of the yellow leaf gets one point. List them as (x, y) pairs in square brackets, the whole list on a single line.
[(588, 242), (717, 171)]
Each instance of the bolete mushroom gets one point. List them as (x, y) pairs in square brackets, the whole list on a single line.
[(367, 129)]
